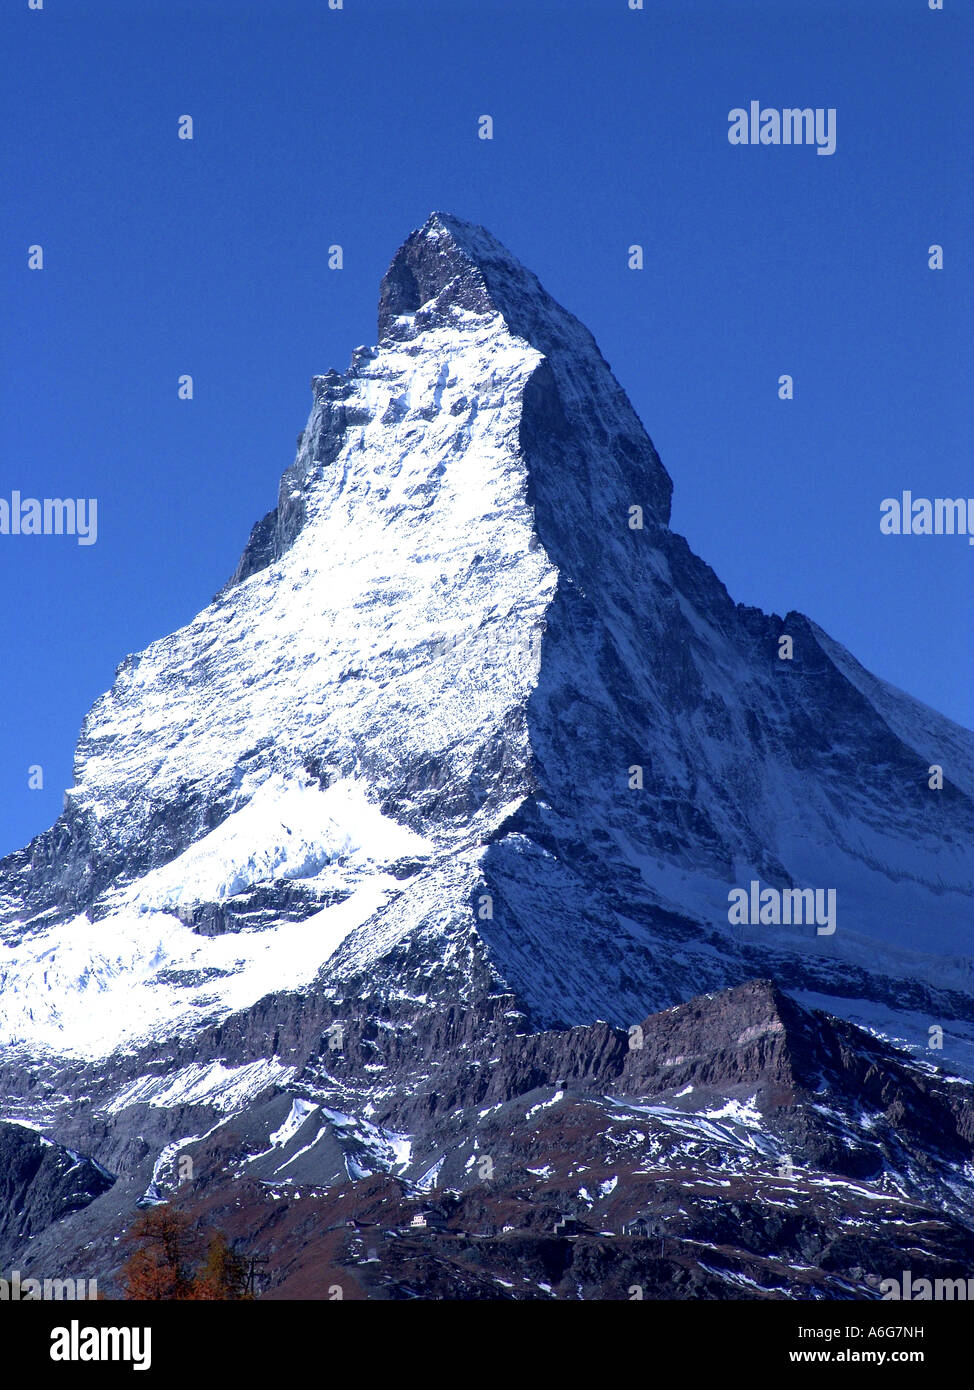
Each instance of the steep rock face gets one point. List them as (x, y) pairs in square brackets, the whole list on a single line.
[(394, 754), (41, 1183)]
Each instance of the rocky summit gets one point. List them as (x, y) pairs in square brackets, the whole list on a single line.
[(386, 925)]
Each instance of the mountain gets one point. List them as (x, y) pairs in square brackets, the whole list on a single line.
[(41, 1183), (737, 1146), (471, 752)]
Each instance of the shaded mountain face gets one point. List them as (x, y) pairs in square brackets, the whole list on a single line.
[(470, 747), (41, 1183)]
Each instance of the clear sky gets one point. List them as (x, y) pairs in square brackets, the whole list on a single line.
[(315, 126)]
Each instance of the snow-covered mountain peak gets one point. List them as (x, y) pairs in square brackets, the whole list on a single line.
[(449, 265), (470, 752), (435, 273), (467, 634)]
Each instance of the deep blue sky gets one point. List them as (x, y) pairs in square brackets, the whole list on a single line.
[(314, 126)]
